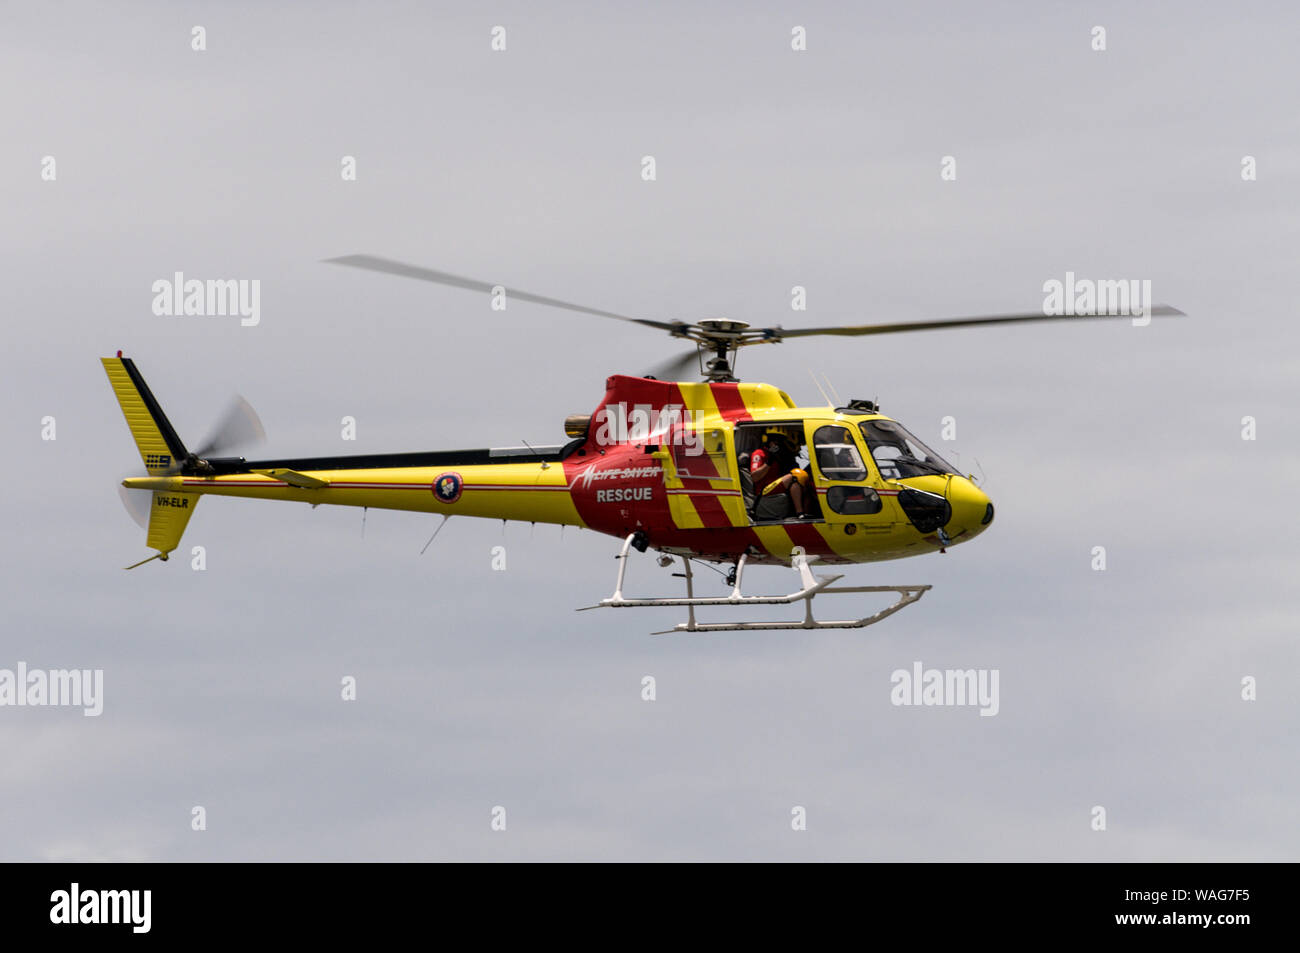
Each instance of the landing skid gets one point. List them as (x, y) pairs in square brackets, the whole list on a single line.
[(811, 587)]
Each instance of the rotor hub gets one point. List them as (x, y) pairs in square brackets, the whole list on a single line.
[(722, 326)]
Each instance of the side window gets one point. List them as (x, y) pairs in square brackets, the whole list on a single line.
[(837, 454), (700, 455), (853, 500)]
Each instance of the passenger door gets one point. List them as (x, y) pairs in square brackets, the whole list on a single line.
[(843, 476), (701, 481)]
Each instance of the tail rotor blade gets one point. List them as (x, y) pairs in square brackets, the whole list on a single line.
[(136, 503), (239, 427)]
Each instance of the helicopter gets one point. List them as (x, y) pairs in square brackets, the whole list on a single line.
[(720, 470)]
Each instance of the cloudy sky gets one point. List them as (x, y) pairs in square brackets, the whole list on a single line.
[(480, 688)]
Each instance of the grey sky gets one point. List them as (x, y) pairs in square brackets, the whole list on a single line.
[(480, 688)]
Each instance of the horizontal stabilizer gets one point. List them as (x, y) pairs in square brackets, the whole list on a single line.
[(294, 478)]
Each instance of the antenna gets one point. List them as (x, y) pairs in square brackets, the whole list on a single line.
[(445, 517), (834, 392), (545, 465), (819, 388)]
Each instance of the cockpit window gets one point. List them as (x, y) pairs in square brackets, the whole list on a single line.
[(898, 454), (837, 454)]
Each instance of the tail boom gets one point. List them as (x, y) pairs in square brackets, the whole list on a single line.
[(510, 491)]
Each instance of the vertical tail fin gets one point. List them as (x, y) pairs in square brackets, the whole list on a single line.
[(160, 448), (169, 514), (162, 452)]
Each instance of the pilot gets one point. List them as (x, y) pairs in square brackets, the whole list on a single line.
[(773, 469)]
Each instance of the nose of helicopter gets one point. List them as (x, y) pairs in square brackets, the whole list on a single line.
[(972, 511)]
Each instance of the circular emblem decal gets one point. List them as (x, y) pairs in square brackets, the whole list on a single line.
[(447, 487)]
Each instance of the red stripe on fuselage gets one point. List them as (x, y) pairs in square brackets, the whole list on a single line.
[(625, 398), (807, 536), (730, 404), (710, 509)]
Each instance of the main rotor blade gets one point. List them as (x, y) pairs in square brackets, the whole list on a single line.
[(238, 427), (390, 267), (1159, 310), (673, 368)]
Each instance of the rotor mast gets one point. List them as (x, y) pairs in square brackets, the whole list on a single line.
[(724, 338)]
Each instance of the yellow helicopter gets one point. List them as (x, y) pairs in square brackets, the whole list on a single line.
[(721, 470)]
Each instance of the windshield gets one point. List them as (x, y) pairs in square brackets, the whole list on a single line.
[(898, 454)]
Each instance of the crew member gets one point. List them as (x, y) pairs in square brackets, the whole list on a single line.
[(773, 469)]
